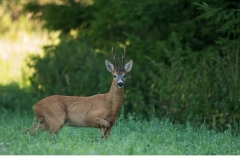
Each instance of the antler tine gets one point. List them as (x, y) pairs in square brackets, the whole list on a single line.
[(123, 56), (114, 58)]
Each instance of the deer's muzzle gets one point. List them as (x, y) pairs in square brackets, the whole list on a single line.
[(120, 84)]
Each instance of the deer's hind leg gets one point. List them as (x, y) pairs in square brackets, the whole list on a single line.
[(39, 125), (54, 119)]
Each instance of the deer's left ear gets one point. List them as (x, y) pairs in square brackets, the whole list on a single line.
[(128, 66)]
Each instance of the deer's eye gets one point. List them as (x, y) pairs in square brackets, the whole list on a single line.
[(114, 76), (124, 76)]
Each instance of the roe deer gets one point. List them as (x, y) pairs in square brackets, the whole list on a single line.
[(98, 111)]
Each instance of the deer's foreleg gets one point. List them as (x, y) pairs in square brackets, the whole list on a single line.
[(103, 125), (99, 122), (105, 132)]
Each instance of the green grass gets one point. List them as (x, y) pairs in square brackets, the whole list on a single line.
[(128, 137)]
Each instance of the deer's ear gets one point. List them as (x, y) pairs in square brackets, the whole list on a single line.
[(109, 66), (128, 66)]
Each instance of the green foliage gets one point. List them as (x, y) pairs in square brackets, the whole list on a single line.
[(128, 137), (71, 71), (197, 87), (225, 21), (185, 56), (14, 98), (73, 14), (14, 22)]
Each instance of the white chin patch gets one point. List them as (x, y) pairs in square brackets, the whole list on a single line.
[(120, 86)]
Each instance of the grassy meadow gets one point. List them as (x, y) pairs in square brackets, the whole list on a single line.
[(128, 137)]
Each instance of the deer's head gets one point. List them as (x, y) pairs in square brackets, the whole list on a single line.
[(119, 72)]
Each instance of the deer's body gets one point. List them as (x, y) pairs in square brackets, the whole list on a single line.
[(98, 111)]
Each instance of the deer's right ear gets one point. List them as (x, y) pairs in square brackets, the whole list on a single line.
[(109, 66)]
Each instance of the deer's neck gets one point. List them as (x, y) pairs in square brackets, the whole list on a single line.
[(115, 95)]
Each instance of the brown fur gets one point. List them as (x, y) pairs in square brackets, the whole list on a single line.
[(98, 111)]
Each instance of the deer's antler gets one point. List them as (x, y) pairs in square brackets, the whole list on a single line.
[(114, 58), (123, 56)]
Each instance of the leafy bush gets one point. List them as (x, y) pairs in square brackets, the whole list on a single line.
[(72, 69), (200, 88), (14, 98)]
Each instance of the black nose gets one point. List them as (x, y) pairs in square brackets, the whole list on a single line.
[(120, 84)]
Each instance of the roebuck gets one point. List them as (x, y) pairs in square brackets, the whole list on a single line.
[(98, 111)]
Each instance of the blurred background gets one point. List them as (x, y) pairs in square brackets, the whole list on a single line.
[(185, 55)]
